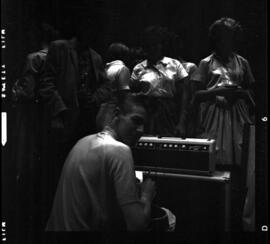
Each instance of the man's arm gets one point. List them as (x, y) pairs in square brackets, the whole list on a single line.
[(48, 90), (136, 208), (137, 215)]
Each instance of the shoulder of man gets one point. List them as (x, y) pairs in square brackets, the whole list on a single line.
[(172, 62), (117, 149), (168, 60)]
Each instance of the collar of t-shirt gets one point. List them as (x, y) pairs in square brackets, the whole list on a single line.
[(161, 61), (109, 131)]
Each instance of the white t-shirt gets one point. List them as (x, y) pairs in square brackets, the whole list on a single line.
[(97, 178)]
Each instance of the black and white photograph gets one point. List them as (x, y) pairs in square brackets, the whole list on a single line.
[(134, 121)]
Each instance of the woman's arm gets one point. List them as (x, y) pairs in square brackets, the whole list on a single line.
[(205, 95)]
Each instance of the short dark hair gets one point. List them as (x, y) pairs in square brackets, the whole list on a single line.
[(126, 102), (222, 25), (153, 35), (118, 51), (174, 45), (77, 25)]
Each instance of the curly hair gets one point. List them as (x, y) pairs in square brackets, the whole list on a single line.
[(224, 25)]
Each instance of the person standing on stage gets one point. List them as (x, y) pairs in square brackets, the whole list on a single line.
[(224, 81), (30, 132), (161, 79), (224, 104), (119, 75), (175, 49), (73, 85)]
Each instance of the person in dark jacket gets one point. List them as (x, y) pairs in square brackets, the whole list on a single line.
[(30, 132), (73, 85)]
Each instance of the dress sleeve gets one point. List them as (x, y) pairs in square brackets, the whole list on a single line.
[(123, 175)]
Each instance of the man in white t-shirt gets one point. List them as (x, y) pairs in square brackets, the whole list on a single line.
[(97, 189)]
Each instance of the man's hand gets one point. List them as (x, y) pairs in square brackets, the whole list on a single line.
[(148, 190), (138, 214)]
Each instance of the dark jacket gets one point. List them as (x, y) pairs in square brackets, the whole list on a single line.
[(59, 81), (24, 89)]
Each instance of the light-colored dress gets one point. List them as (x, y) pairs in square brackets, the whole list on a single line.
[(224, 122)]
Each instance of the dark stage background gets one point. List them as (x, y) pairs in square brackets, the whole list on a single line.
[(120, 20)]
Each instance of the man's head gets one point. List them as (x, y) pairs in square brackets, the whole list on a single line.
[(129, 119), (80, 26)]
